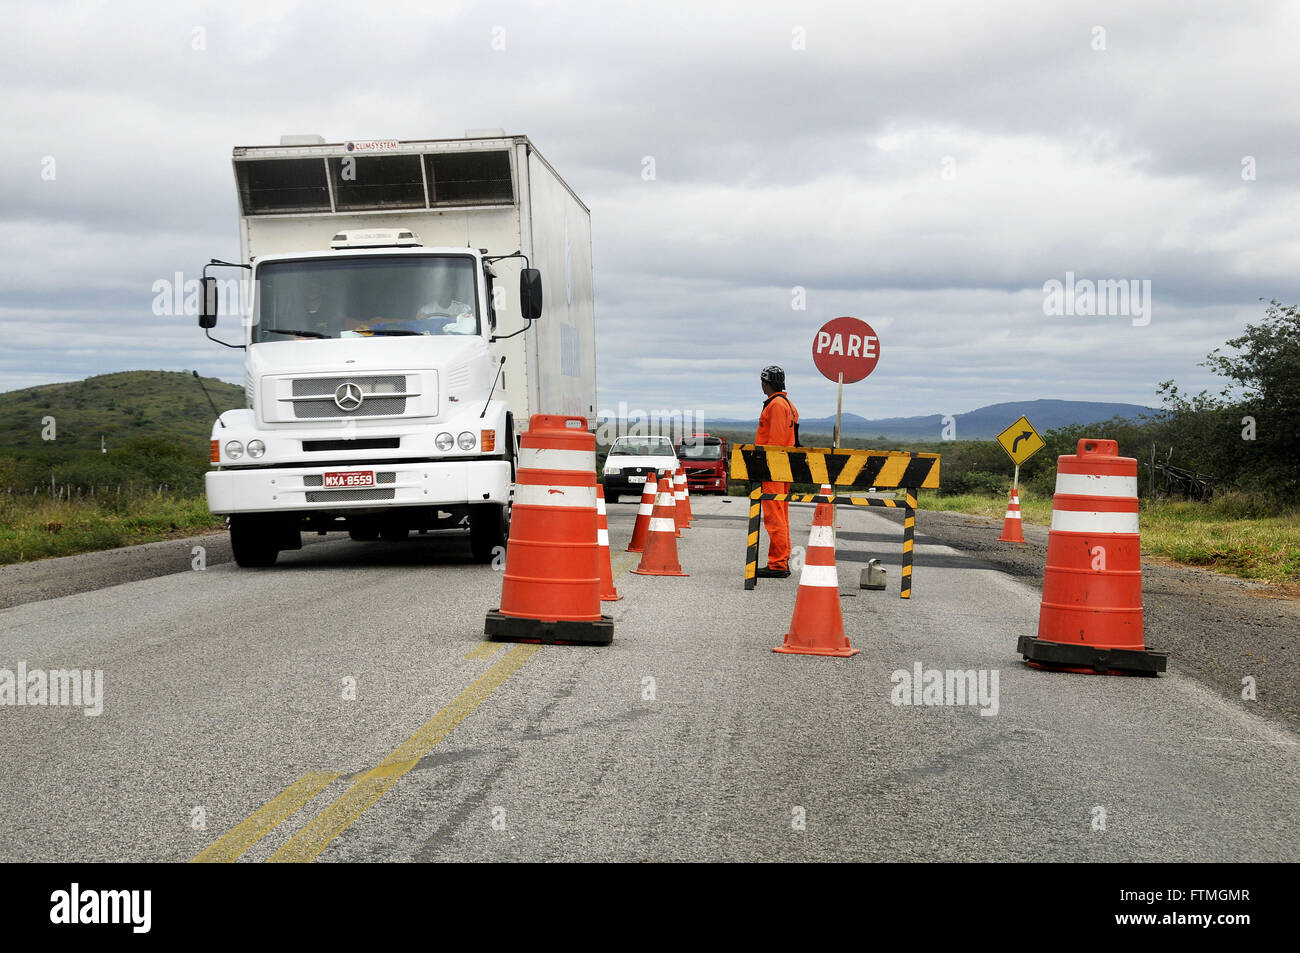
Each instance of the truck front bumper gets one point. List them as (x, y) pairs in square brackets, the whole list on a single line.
[(709, 484), (299, 489)]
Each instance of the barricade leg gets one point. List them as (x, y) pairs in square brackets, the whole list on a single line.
[(909, 526), (751, 550)]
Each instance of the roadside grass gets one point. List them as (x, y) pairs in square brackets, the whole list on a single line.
[(38, 527), (1033, 508), (1233, 534)]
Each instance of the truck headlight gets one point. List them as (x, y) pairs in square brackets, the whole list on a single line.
[(612, 471), (234, 449), (256, 448), (465, 441), (444, 441)]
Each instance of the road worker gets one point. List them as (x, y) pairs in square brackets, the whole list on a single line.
[(778, 426)]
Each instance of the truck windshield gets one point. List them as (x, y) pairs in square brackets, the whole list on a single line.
[(371, 296), (701, 451)]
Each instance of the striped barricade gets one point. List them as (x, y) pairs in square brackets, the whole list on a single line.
[(845, 470)]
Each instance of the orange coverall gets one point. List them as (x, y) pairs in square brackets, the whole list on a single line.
[(776, 429)]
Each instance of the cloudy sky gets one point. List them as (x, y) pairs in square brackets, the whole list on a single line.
[(925, 167)]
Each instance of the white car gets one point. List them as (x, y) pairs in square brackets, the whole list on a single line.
[(630, 459)]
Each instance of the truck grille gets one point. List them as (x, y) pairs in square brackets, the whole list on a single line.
[(319, 394), (349, 496)]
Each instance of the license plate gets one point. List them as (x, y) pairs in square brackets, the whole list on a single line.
[(636, 479), (350, 478)]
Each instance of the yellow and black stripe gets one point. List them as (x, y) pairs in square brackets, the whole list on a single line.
[(909, 529), (857, 469), (751, 544)]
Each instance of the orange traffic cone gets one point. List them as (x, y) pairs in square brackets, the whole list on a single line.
[(551, 588), (686, 488), (607, 591), (1011, 531), (818, 625), (660, 556), (644, 514), (1090, 619), (677, 478)]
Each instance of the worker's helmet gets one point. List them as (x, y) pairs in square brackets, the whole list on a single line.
[(775, 376)]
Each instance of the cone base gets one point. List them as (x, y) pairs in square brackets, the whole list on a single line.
[(657, 572), (612, 598), (1088, 659), (847, 652), (1010, 539), (504, 628)]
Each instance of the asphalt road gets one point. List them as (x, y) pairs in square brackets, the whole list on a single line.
[(225, 726)]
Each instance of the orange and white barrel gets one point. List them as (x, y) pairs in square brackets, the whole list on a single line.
[(552, 567), (1090, 618)]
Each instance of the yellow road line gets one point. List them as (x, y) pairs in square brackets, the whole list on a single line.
[(308, 843), (483, 650), (229, 847)]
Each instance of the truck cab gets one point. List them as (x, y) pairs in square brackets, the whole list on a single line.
[(704, 458), (384, 373)]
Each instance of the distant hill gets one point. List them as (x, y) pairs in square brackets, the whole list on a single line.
[(161, 405), (985, 423)]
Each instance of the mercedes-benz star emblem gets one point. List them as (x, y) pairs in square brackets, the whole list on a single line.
[(348, 397)]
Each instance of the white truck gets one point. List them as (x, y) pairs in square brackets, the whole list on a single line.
[(387, 372)]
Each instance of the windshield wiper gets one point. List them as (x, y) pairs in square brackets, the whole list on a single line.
[(301, 334), (391, 331)]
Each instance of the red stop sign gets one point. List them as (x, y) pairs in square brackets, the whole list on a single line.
[(846, 346)]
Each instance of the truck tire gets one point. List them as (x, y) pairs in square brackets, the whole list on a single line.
[(394, 534), (488, 529), (254, 541), (364, 534)]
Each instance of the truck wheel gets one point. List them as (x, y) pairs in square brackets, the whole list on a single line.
[(394, 534), (254, 541), (363, 534), (488, 529)]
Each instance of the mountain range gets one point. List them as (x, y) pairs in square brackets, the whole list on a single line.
[(984, 423)]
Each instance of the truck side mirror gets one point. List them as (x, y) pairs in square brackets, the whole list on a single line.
[(209, 304), (530, 294)]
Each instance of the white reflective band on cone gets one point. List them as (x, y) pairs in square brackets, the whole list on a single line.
[(539, 458), (1084, 484), (1091, 521), (600, 504), (645, 509), (602, 537), (1011, 516), (528, 494), (661, 525), (821, 576), (821, 536)]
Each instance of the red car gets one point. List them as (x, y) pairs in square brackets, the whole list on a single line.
[(704, 458)]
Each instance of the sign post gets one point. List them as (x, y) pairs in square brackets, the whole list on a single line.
[(845, 350), (1020, 441)]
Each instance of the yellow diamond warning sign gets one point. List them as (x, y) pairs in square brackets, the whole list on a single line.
[(1021, 441)]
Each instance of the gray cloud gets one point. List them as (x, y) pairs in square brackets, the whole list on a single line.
[(776, 167)]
